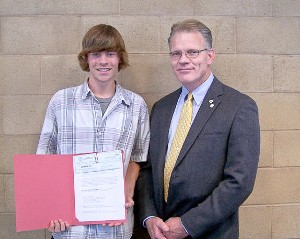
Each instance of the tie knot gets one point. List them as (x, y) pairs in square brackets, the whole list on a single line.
[(190, 96)]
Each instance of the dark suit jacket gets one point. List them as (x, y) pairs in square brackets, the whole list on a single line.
[(215, 170)]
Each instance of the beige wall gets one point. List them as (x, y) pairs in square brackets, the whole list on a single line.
[(258, 52)]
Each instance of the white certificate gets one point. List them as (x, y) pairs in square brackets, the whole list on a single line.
[(99, 186)]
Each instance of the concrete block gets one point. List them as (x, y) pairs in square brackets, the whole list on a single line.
[(278, 111), (19, 7), (140, 33), (60, 72), (103, 7), (286, 73), (40, 35), (286, 221), (24, 114), (15, 144), (223, 31), (48, 234), (20, 75), (276, 186), (247, 73), (266, 149), (157, 7), (286, 8), (1, 116), (255, 222), (9, 193), (8, 229), (286, 148), (149, 74), (234, 8), (268, 35), (2, 195)]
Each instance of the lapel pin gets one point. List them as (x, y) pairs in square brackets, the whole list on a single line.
[(211, 105), (211, 101)]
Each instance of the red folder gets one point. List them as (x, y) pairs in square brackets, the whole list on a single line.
[(44, 191)]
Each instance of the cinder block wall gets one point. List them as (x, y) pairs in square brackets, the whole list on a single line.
[(258, 52)]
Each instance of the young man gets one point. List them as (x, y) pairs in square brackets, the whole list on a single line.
[(204, 147), (98, 116)]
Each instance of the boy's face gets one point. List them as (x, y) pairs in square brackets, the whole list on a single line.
[(103, 66)]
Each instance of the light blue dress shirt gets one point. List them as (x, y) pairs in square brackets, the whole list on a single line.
[(198, 94)]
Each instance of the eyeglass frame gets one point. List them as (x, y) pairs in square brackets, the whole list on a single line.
[(173, 57)]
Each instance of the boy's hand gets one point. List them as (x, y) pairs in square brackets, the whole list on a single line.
[(58, 226)]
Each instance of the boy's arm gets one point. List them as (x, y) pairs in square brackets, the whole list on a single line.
[(130, 180)]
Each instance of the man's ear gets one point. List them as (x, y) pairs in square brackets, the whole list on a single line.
[(211, 56)]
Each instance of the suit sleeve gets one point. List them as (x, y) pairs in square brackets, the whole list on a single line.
[(240, 170), (144, 192)]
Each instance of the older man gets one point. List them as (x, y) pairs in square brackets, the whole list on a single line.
[(204, 147)]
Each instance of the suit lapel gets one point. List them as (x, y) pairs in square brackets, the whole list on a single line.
[(166, 115), (209, 105)]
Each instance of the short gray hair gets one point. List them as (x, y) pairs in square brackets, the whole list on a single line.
[(192, 25)]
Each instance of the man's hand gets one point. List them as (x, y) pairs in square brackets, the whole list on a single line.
[(156, 228), (58, 226), (176, 229)]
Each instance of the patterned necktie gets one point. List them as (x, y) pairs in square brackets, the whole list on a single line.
[(182, 130)]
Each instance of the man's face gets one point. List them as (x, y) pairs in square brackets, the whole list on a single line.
[(191, 71)]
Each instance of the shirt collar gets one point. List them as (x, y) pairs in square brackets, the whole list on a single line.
[(200, 91), (120, 94), (85, 90)]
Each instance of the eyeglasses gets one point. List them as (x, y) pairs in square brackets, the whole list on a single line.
[(176, 55)]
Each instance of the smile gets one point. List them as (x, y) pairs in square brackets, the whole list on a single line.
[(103, 69), (184, 70)]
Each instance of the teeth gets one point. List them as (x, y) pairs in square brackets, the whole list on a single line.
[(103, 69)]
